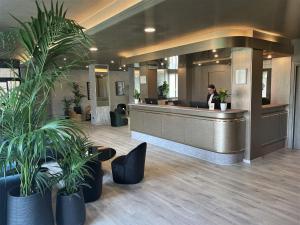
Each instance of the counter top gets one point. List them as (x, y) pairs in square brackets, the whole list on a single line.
[(201, 112)]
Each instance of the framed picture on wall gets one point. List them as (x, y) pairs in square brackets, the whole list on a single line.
[(120, 88)]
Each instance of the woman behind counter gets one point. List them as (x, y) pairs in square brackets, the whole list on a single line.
[(213, 96)]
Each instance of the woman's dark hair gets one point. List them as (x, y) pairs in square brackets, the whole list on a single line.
[(211, 86)]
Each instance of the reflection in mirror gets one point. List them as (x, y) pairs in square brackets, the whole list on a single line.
[(102, 88)]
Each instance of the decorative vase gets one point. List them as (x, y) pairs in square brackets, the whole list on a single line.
[(35, 209), (70, 209), (136, 101), (223, 106)]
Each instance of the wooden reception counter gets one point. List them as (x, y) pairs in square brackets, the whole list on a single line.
[(214, 136)]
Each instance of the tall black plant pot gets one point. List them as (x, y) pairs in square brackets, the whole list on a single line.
[(70, 209), (35, 209), (93, 190)]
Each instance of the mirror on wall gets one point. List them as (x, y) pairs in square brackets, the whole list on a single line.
[(102, 92)]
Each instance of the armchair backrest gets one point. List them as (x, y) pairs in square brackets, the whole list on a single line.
[(137, 155)]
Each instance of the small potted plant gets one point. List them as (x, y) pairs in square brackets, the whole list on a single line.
[(223, 95), (67, 107), (136, 96), (70, 206), (164, 90), (78, 96)]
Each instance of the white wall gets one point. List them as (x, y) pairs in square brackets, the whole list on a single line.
[(114, 99), (280, 82), (64, 89)]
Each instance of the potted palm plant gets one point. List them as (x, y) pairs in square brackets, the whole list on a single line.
[(78, 96), (223, 95), (25, 130), (70, 206), (136, 96), (164, 90)]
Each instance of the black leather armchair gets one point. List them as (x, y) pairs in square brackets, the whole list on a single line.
[(117, 120), (121, 108), (129, 169)]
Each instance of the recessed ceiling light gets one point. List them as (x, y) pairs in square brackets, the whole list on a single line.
[(162, 64), (166, 58), (120, 68), (214, 50), (124, 70), (269, 56), (199, 64), (65, 59), (93, 49), (149, 29), (124, 65), (86, 66), (216, 55), (112, 61), (217, 61)]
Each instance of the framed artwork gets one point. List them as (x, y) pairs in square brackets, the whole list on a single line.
[(120, 88), (241, 76)]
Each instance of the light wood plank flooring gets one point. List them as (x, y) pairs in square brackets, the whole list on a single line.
[(186, 191)]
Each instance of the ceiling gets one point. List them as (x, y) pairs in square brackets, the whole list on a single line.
[(171, 18)]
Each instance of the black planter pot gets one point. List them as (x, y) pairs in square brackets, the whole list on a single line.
[(70, 209), (93, 190), (67, 114), (35, 209), (77, 109)]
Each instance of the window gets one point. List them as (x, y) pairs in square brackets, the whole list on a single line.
[(173, 62), (173, 85), (137, 84)]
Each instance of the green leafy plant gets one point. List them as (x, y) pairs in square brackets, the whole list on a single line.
[(164, 89), (223, 95), (74, 165), (26, 133), (77, 94), (136, 94)]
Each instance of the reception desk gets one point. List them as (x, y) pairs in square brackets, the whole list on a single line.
[(214, 136)]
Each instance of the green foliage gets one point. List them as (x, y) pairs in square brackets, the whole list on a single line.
[(77, 94), (223, 95), (164, 89), (26, 134), (67, 103), (73, 165), (136, 94)]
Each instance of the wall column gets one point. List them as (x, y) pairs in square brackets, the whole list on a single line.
[(248, 96)]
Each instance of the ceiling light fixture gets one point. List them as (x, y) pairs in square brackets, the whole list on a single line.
[(166, 58), (65, 59), (86, 66), (217, 61), (216, 55), (199, 64), (112, 61), (162, 64), (93, 49), (124, 65), (149, 29), (269, 57), (214, 50), (120, 68)]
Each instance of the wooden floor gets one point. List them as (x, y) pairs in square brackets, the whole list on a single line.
[(183, 190)]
